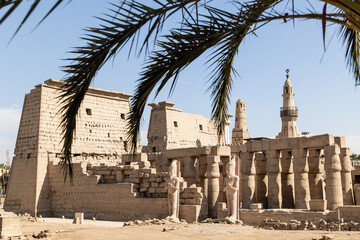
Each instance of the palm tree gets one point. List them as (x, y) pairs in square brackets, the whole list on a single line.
[(204, 27)]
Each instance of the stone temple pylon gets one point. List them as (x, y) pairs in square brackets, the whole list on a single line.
[(288, 112)]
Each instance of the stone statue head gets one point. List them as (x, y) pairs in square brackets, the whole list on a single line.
[(230, 167), (173, 169)]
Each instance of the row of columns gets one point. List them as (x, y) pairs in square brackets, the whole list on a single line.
[(208, 174), (290, 178), (278, 178)]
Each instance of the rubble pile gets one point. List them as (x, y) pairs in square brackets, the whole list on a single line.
[(29, 218), (153, 221), (310, 225), (221, 220), (42, 234)]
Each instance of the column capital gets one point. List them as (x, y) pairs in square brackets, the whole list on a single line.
[(260, 163), (315, 165), (247, 162), (345, 151), (212, 170), (273, 163), (332, 158), (345, 160), (189, 167), (287, 161), (300, 160)]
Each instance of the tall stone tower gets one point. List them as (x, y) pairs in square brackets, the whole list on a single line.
[(288, 112), (240, 132)]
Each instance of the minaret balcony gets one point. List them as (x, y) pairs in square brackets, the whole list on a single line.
[(288, 112)]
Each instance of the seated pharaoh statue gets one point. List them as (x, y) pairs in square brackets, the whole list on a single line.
[(231, 186)]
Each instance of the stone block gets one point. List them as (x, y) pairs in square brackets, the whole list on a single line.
[(154, 184), (79, 218), (163, 195), (145, 180), (256, 206), (144, 164), (109, 177), (145, 184), (9, 226), (222, 211), (190, 213), (318, 204), (197, 195), (357, 193), (187, 195), (162, 174)]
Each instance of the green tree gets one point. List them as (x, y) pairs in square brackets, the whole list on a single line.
[(4, 180), (355, 156), (203, 28)]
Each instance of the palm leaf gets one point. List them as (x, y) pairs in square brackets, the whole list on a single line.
[(103, 43), (351, 40), (12, 5), (220, 28)]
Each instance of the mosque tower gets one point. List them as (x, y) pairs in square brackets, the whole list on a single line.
[(240, 132), (288, 112)]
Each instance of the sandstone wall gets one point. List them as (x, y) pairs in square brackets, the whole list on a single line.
[(170, 128), (116, 201)]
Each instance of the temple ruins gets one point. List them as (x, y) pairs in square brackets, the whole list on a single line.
[(184, 172)]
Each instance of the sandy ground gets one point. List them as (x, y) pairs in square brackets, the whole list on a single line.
[(64, 229)]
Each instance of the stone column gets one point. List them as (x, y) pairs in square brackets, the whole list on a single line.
[(333, 187), (273, 168), (301, 178), (212, 174), (346, 176), (202, 168), (261, 179), (189, 173), (248, 178), (316, 171), (287, 179)]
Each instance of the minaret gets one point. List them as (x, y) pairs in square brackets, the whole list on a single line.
[(240, 132), (288, 112)]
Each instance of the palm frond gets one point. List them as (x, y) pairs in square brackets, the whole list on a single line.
[(103, 43), (351, 40), (351, 9), (221, 79), (179, 50), (182, 47), (12, 5)]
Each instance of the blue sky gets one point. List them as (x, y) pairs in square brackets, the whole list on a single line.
[(324, 89)]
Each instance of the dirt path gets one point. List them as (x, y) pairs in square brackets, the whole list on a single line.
[(104, 230)]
